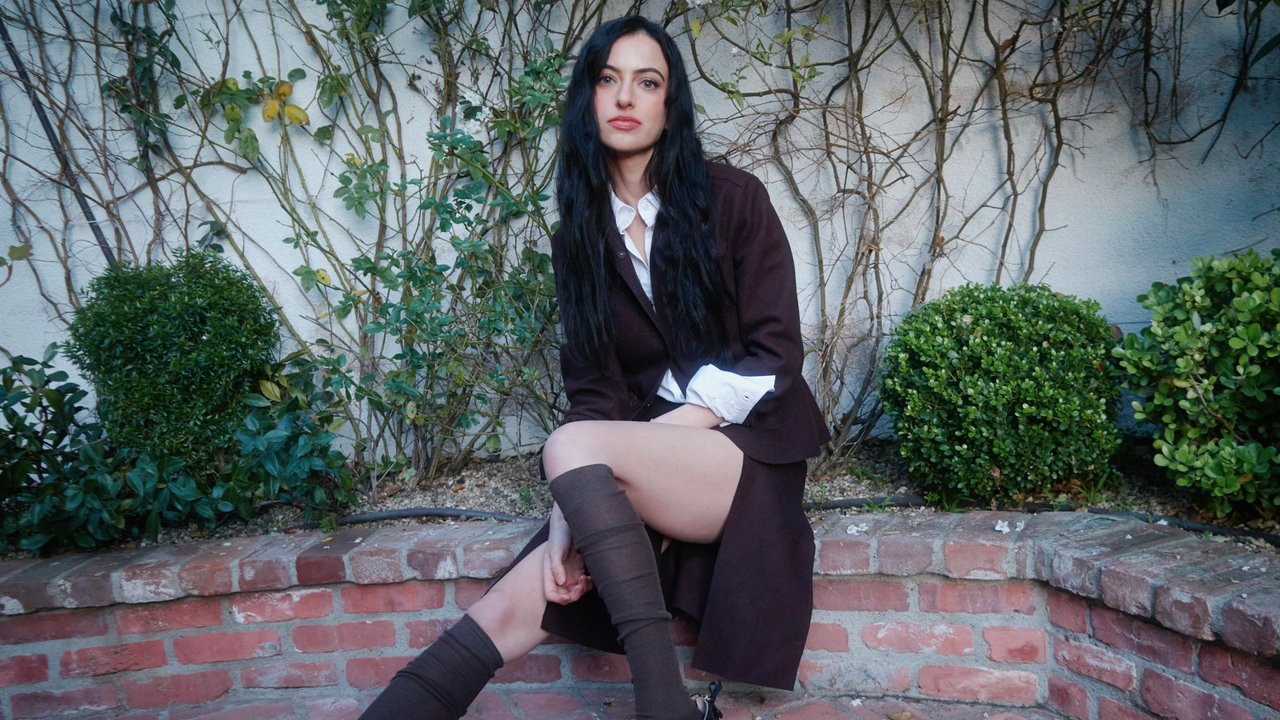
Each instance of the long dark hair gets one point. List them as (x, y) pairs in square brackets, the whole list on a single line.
[(692, 297)]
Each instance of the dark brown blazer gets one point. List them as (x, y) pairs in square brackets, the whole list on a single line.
[(762, 318), (752, 590)]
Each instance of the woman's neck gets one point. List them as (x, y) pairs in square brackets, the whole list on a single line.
[(628, 175)]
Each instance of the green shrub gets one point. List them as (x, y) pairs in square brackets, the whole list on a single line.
[(1208, 373), (1001, 393), (58, 479), (170, 351)]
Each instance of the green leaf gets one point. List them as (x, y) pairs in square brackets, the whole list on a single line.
[(19, 252), (324, 133), (297, 74), (249, 144), (1266, 50)]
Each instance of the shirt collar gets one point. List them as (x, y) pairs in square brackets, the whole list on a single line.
[(624, 214)]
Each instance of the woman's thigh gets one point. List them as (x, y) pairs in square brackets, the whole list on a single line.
[(511, 612), (680, 479)]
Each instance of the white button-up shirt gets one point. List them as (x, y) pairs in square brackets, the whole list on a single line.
[(729, 395)]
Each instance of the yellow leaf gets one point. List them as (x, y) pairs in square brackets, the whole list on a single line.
[(270, 109), (323, 277), (696, 25), (283, 90), (296, 115), (270, 389)]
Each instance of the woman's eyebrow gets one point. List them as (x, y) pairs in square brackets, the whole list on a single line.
[(655, 71)]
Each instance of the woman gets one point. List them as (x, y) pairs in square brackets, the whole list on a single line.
[(679, 470)]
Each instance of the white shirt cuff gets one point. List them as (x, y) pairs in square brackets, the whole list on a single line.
[(729, 395)]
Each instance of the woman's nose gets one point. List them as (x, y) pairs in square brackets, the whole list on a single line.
[(624, 96)]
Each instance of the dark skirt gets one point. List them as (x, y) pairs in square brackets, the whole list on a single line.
[(752, 591)]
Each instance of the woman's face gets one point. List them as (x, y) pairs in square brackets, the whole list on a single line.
[(631, 94)]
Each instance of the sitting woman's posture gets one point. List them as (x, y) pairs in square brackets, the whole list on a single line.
[(679, 470)]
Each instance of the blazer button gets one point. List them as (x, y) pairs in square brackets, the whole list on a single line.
[(622, 255)]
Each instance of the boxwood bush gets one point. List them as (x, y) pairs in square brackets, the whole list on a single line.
[(170, 350), (1207, 372), (1001, 393)]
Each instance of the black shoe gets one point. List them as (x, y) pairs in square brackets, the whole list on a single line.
[(707, 703)]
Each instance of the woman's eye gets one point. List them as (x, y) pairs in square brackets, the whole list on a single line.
[(650, 85), (604, 79)]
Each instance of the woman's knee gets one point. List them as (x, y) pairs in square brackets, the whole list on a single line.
[(573, 445)]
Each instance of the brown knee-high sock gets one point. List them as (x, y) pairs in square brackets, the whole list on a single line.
[(613, 543), (440, 683)]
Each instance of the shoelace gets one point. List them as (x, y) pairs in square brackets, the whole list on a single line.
[(709, 710)]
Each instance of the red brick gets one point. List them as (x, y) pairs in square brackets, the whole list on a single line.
[(378, 560), (375, 672), (467, 592), (1015, 644), (154, 577), (813, 711), (1067, 611), (168, 690), (1095, 663), (865, 595), (434, 556), (280, 606), (406, 597), (28, 588), (975, 550), (209, 572), (1145, 640), (1068, 698), (1225, 668), (977, 599), (907, 547), (424, 632), (257, 711), (47, 704), (1252, 623), (113, 659), (23, 670), (1077, 562), (832, 637), (540, 706), (904, 637), (324, 562), (181, 615), (1187, 603), (841, 676), (1172, 698), (1035, 544), (495, 548), (290, 675), (52, 626), (333, 709), (978, 684), (90, 583), (1109, 709), (600, 667), (843, 553), (1129, 583), (271, 565), (532, 668), (489, 706), (219, 647), (344, 636)]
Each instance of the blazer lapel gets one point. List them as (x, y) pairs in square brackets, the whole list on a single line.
[(622, 261)]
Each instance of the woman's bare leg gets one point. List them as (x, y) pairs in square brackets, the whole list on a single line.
[(680, 479), (511, 612)]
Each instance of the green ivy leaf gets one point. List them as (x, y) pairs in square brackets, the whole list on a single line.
[(249, 144)]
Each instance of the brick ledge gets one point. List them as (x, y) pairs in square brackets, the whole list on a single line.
[(1206, 590)]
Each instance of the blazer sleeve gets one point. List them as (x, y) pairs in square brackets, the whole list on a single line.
[(592, 393), (768, 310)]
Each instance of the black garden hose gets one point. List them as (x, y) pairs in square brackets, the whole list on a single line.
[(418, 512), (899, 501)]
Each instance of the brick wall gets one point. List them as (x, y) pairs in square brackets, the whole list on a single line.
[(1098, 618)]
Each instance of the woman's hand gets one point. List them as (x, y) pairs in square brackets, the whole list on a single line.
[(564, 576), (690, 415)]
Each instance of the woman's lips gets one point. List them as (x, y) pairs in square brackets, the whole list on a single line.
[(625, 122)]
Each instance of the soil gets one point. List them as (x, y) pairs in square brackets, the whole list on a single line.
[(511, 485)]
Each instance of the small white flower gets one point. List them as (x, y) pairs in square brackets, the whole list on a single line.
[(902, 489), (857, 529), (855, 702), (1128, 537), (1002, 526), (1162, 522)]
